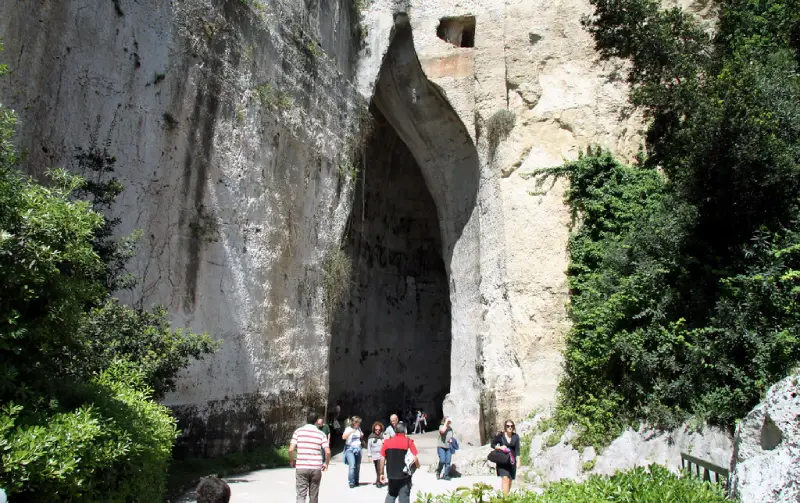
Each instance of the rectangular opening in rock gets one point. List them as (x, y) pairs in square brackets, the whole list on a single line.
[(458, 30)]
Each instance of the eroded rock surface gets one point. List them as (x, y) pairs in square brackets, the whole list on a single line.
[(229, 121), (233, 125), (555, 459), (765, 467)]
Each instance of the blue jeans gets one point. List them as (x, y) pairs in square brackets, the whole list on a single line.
[(352, 457), (445, 456)]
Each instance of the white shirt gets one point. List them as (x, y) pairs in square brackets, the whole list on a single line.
[(353, 440)]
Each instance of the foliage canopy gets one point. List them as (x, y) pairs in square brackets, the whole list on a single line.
[(79, 372)]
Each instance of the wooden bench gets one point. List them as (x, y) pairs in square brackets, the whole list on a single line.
[(703, 469)]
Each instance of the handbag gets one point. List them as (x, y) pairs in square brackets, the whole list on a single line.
[(410, 460), (499, 457)]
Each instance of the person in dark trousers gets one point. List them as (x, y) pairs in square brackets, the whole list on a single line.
[(394, 459), (212, 490), (310, 455), (508, 441)]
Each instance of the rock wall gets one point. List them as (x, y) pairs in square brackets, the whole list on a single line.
[(765, 466), (233, 123), (508, 287), (229, 121)]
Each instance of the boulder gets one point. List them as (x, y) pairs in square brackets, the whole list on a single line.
[(632, 448), (765, 466)]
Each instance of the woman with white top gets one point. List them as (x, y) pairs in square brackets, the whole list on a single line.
[(352, 450)]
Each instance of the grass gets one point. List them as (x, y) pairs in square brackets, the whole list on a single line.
[(525, 449), (654, 484), (185, 473)]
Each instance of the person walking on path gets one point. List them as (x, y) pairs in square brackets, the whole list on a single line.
[(324, 428), (397, 474), (418, 428), (309, 443), (352, 450), (374, 445), (393, 420), (508, 441), (443, 449)]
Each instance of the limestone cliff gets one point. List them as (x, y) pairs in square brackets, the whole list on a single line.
[(235, 124), (229, 121), (506, 265)]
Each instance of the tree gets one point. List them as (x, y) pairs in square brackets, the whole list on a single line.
[(683, 300), (79, 371)]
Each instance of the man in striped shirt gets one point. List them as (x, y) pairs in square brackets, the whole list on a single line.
[(310, 443)]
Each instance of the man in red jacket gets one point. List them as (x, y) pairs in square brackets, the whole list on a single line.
[(394, 459)]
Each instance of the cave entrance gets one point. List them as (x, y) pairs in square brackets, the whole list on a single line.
[(390, 347), (409, 333)]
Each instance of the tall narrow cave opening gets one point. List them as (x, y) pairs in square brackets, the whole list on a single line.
[(409, 334), (390, 347)]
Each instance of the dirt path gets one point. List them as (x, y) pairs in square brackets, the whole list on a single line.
[(277, 485)]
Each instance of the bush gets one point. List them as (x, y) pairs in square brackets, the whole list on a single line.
[(78, 369), (684, 284), (652, 485), (113, 446), (113, 331)]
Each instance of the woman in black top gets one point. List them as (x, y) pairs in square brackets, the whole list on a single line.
[(509, 439)]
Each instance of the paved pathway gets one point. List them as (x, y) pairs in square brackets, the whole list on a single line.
[(277, 485)]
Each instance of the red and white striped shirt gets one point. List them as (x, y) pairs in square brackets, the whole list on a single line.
[(310, 442)]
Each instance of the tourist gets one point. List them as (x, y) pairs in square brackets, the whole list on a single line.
[(443, 449), (324, 428), (310, 443), (393, 420), (213, 490), (352, 437), (508, 441), (374, 445), (398, 474), (420, 423)]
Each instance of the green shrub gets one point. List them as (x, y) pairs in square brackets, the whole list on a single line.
[(652, 485), (77, 368), (684, 295), (112, 444), (113, 331)]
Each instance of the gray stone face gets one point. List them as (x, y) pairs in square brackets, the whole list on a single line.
[(765, 467), (231, 122), (228, 123)]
